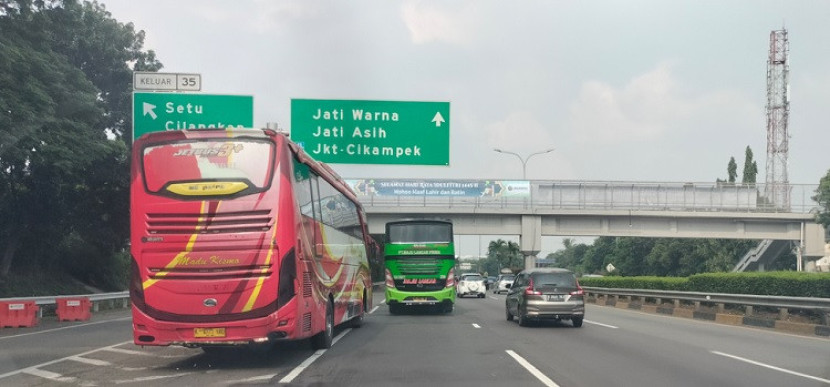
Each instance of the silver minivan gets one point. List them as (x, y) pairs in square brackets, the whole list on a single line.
[(545, 294)]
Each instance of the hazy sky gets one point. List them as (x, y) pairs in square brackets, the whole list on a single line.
[(624, 90)]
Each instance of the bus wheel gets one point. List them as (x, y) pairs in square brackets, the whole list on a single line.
[(448, 307), (395, 308), (323, 339), (357, 321)]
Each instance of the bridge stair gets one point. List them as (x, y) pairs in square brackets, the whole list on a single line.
[(762, 255)]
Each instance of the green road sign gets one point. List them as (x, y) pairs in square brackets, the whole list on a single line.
[(157, 112), (372, 132)]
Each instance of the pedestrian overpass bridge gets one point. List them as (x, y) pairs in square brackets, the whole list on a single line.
[(531, 209)]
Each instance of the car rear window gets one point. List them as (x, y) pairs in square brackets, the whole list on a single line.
[(472, 278), (554, 279)]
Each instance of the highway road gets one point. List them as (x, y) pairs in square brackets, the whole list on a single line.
[(473, 346)]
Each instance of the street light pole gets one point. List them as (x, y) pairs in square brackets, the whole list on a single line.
[(524, 160)]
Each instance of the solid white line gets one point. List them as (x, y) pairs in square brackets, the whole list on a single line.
[(784, 370), (28, 369), (307, 362), (89, 361), (48, 375), (64, 328), (495, 298), (601, 324), (476, 326), (374, 309), (533, 370)]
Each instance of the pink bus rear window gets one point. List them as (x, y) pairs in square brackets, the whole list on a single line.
[(209, 160)]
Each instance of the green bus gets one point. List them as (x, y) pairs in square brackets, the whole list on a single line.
[(419, 256)]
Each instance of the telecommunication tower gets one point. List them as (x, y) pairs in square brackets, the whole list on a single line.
[(777, 189)]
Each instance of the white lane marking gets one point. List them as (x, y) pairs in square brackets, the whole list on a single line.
[(601, 324), (64, 328), (48, 375), (495, 298), (140, 353), (374, 309), (784, 370), (90, 361), (533, 370), (151, 378), (35, 367), (307, 362), (476, 326)]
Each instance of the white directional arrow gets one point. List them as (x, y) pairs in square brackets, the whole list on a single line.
[(438, 119), (148, 109)]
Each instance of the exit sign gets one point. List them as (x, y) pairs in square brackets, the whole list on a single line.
[(372, 132), (157, 112)]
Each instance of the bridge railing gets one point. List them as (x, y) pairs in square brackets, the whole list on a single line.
[(583, 195)]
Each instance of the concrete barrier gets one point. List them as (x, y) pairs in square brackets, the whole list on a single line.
[(15, 314)]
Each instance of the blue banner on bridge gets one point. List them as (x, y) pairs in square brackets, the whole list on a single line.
[(424, 187)]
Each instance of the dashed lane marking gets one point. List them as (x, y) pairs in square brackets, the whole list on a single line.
[(601, 324), (533, 370), (307, 362), (784, 370)]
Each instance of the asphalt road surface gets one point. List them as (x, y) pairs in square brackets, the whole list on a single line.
[(473, 346)]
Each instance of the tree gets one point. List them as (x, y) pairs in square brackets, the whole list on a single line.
[(61, 178), (823, 199), (750, 168), (732, 170), (49, 139), (507, 254)]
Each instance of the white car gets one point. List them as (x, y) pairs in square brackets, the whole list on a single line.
[(502, 282), (471, 285)]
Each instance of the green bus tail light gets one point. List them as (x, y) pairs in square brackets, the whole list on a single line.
[(390, 283)]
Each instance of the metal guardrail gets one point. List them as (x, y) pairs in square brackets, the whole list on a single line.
[(815, 304), (720, 298), (51, 300), (95, 299)]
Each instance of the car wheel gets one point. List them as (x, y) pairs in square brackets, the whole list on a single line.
[(576, 321), (523, 322)]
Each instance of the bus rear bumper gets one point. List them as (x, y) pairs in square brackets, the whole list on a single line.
[(152, 332), (394, 296)]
